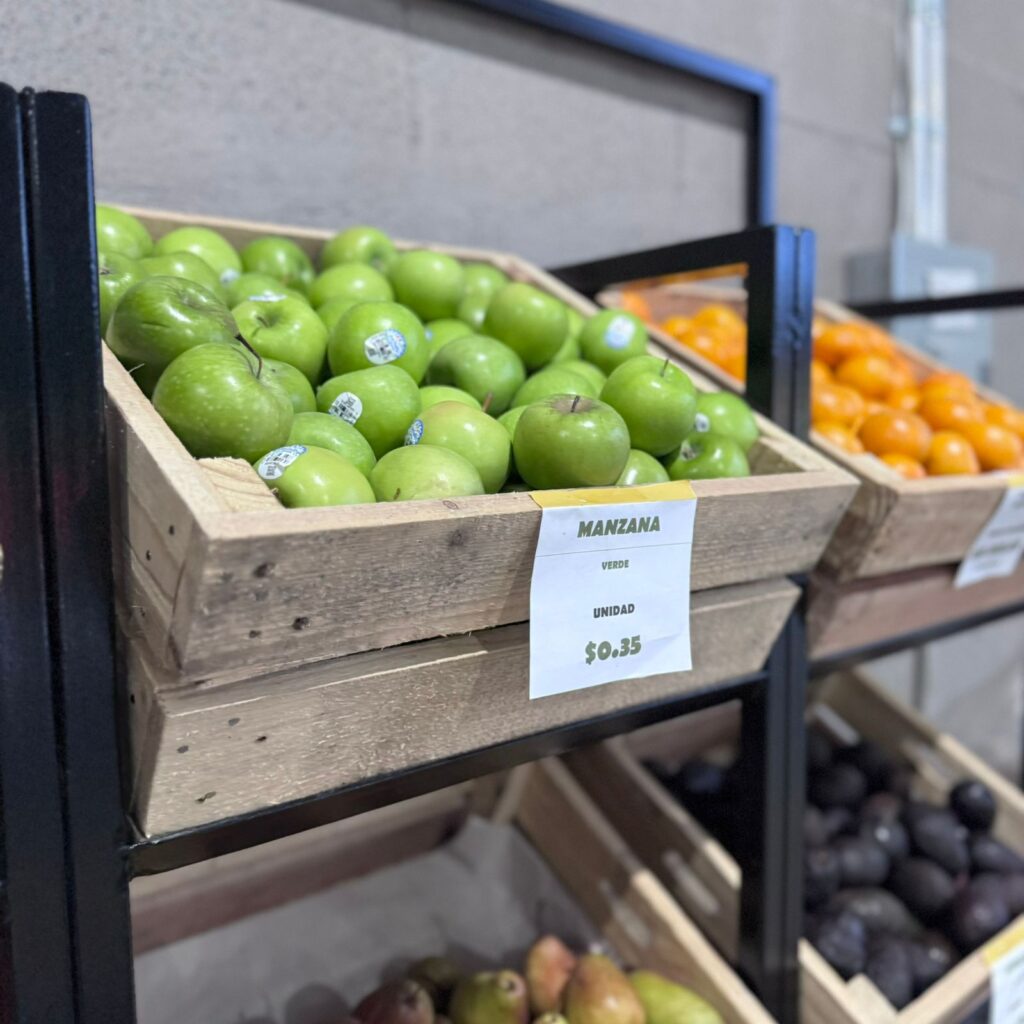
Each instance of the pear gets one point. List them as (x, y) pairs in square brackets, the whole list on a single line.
[(490, 997), (550, 1018), (599, 993), (439, 976), (549, 963), (665, 1002), (397, 1002)]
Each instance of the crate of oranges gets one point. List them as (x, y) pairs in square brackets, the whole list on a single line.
[(932, 448)]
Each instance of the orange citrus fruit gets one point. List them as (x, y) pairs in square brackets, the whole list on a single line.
[(948, 412), (1007, 417), (950, 454), (996, 447), (722, 317), (867, 373), (908, 468), (895, 431), (820, 373), (903, 375), (907, 399), (878, 341), (839, 342), (836, 403), (947, 382), (676, 326), (633, 302), (842, 437)]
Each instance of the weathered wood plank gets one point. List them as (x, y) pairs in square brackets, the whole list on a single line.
[(230, 749)]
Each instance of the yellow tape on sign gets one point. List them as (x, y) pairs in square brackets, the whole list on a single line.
[(1003, 944), (674, 490)]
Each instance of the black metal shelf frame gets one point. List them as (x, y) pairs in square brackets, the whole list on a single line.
[(73, 717)]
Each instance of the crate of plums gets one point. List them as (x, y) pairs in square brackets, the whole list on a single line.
[(913, 866), (322, 449), (469, 905)]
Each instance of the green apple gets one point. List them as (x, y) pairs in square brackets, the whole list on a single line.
[(440, 332), (656, 399), (117, 273), (585, 369), (380, 403), (720, 412), (642, 468), (304, 476), (510, 417), (421, 471), (117, 231), (359, 244), (280, 258), (477, 437), (490, 371), (332, 432), (186, 265), (473, 309), (293, 382), (258, 286), (553, 380), (483, 278), (429, 283), (210, 246), (432, 394), (569, 441), (377, 333), (705, 456), (217, 401), (531, 322), (160, 317), (356, 281), (570, 350), (333, 310), (284, 329), (611, 337)]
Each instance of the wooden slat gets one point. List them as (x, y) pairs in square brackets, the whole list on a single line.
[(635, 913), (843, 616), (231, 749)]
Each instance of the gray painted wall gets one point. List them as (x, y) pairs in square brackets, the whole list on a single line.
[(438, 125)]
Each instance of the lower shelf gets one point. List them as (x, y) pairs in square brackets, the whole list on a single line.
[(705, 878), (323, 930), (205, 754)]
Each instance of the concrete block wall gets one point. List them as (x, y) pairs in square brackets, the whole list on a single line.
[(437, 123)]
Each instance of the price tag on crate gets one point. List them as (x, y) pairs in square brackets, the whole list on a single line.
[(1005, 958), (610, 592), (997, 550)]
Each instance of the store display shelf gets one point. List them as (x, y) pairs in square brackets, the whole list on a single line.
[(705, 877)]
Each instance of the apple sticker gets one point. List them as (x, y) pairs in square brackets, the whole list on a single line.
[(619, 332), (385, 346), (274, 463), (414, 433), (347, 406)]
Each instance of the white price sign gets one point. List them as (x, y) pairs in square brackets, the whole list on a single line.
[(610, 592), (1005, 958), (997, 550)]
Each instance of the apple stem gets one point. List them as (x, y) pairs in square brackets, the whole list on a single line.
[(488, 398), (575, 402), (259, 358), (664, 367)]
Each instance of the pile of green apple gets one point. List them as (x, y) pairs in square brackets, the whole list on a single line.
[(393, 376)]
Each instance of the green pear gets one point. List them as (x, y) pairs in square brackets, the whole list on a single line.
[(665, 1002), (490, 997), (599, 993), (397, 1002), (549, 965)]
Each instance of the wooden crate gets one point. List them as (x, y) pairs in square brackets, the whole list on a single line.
[(892, 524), (222, 581), (705, 878), (622, 899), (274, 652)]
